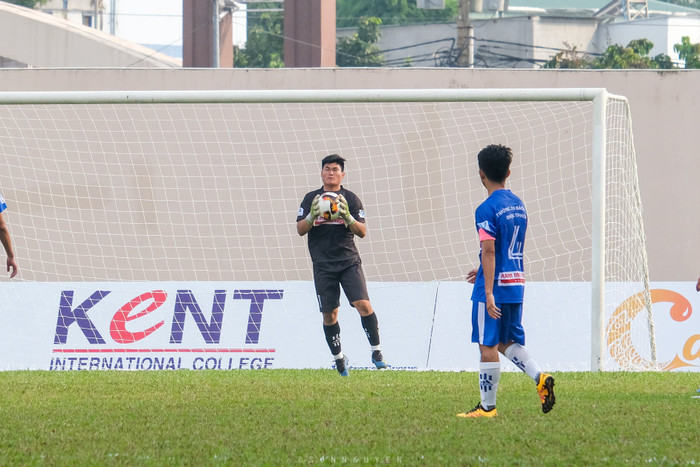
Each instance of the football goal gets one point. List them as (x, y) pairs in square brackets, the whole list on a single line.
[(205, 185)]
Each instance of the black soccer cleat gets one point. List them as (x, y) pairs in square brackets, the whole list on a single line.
[(341, 365), (378, 360)]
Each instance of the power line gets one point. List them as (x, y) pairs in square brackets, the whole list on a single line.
[(501, 49)]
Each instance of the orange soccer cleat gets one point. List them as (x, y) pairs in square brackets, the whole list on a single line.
[(545, 388)]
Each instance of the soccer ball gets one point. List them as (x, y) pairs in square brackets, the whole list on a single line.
[(328, 205)]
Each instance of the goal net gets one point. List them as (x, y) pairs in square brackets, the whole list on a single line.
[(205, 186)]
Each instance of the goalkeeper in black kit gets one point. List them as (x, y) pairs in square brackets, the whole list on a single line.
[(336, 260)]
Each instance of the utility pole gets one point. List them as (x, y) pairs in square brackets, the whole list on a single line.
[(113, 17), (465, 33), (216, 47)]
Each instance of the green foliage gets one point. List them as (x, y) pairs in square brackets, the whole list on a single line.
[(359, 50), (265, 44), (569, 58), (634, 56), (27, 3), (641, 46), (293, 417), (392, 12), (664, 62), (618, 57), (688, 52)]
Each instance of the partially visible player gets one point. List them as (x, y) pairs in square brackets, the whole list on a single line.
[(499, 284), (6, 242), (336, 260), (697, 286)]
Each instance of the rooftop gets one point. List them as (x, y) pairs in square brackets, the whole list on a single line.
[(580, 8)]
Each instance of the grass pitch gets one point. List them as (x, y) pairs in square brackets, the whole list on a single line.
[(315, 417)]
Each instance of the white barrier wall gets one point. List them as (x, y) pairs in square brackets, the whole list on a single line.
[(244, 325)]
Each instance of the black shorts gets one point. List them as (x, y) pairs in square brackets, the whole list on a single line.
[(328, 285)]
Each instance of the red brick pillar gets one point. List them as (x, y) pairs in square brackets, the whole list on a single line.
[(309, 33), (198, 35)]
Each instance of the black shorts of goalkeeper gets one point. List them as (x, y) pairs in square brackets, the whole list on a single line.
[(329, 280)]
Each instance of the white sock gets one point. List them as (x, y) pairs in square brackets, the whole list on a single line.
[(375, 347), (338, 357), (517, 354), (489, 375)]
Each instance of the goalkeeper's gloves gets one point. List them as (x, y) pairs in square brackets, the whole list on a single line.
[(315, 211), (344, 211)]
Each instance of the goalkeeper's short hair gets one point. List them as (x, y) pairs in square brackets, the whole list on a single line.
[(334, 159)]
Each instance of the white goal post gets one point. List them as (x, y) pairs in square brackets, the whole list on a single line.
[(411, 155)]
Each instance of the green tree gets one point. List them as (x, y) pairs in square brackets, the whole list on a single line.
[(27, 3), (688, 52), (635, 56), (664, 62), (359, 50), (569, 58), (391, 12), (265, 44)]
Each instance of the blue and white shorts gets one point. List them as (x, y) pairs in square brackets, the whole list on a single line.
[(508, 328)]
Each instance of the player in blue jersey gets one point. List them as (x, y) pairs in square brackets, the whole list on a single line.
[(6, 242), (336, 260), (499, 283)]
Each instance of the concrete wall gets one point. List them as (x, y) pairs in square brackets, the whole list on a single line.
[(664, 114)]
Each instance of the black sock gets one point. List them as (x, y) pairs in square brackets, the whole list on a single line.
[(332, 333), (371, 327)]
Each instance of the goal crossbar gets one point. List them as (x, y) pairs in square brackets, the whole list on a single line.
[(287, 96)]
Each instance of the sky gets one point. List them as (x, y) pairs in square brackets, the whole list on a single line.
[(158, 24)]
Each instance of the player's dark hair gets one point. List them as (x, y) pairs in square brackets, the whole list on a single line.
[(494, 161), (334, 159)]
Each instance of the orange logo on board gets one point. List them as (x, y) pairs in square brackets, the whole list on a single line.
[(619, 334)]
